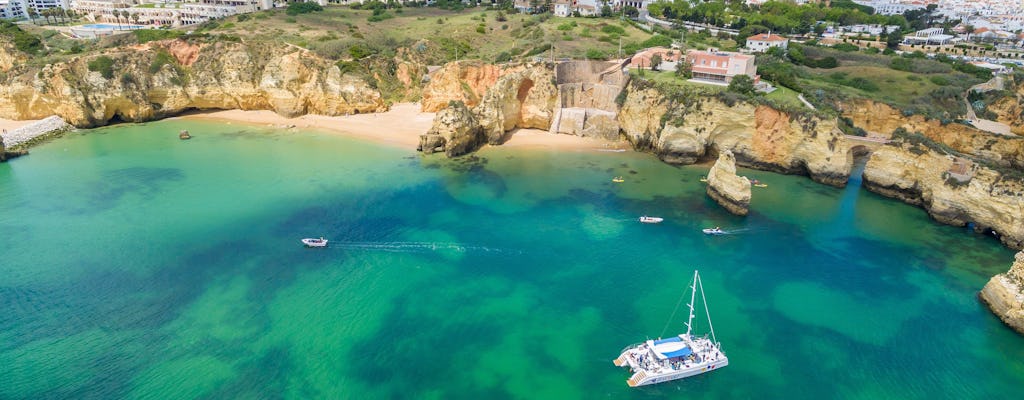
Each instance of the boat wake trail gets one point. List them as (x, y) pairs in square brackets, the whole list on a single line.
[(740, 231), (420, 247)]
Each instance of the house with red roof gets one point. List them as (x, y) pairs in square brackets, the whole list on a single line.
[(721, 66), (764, 41)]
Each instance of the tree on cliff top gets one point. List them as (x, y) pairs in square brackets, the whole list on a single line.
[(742, 84)]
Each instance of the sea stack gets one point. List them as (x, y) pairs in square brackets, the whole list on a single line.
[(728, 189), (1004, 295), (455, 131)]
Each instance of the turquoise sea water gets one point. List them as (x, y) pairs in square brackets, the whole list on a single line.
[(136, 265)]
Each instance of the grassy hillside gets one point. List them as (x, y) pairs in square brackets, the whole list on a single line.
[(340, 32)]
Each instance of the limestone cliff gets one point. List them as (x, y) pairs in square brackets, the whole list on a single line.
[(522, 99), (165, 78), (1010, 109), (455, 131), (466, 81), (881, 119), (9, 56), (953, 190), (1004, 295), (682, 127), (727, 189)]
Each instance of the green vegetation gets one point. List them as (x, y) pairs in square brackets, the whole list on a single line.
[(773, 15), (149, 35), (302, 8), (23, 41), (104, 65)]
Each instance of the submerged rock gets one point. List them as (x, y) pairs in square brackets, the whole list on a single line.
[(1004, 295), (726, 188)]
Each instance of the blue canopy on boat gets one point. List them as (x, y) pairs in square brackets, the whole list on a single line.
[(683, 352)]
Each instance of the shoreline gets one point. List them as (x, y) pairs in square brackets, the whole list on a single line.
[(401, 126), (10, 124)]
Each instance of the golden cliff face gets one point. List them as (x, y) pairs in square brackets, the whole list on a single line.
[(684, 129), (1004, 295), (881, 119), (1010, 110), (466, 81), (222, 75), (922, 177), (524, 96), (728, 189)]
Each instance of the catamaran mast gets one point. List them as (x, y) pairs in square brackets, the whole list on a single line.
[(706, 310), (693, 295)]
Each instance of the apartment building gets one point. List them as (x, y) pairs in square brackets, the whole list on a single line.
[(721, 66), (11, 9), (168, 13)]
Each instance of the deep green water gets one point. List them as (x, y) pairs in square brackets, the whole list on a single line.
[(135, 265)]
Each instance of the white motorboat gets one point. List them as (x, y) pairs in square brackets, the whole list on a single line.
[(714, 231), (311, 242), (677, 357), (651, 220)]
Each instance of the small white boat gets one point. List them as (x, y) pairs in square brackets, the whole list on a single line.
[(651, 220), (714, 231), (677, 357), (311, 242)]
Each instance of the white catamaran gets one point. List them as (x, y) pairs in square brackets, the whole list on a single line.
[(683, 356)]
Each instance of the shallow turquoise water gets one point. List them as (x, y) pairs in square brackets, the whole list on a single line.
[(135, 265)]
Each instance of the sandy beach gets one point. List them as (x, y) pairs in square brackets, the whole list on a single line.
[(400, 126), (10, 125)]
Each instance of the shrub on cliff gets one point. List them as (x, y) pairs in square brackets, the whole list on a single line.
[(149, 35), (104, 65), (303, 8), (23, 41)]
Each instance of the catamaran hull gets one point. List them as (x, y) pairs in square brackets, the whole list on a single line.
[(679, 374)]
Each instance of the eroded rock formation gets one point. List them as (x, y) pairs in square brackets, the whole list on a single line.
[(165, 78), (455, 132), (1004, 295), (681, 128), (881, 119), (955, 195), (728, 189), (522, 97)]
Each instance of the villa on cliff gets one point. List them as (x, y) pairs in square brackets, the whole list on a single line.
[(721, 66), (764, 41)]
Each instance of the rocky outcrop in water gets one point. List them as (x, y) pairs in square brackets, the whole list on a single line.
[(455, 132), (728, 189), (683, 127), (952, 189), (1004, 295), (166, 78)]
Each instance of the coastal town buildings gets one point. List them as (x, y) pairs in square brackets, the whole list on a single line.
[(19, 9), (646, 58), (721, 66), (764, 41), (166, 13), (892, 7)]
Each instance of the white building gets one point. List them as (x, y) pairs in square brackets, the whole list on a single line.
[(167, 12), (891, 7), (562, 8), (764, 41), (11, 9)]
